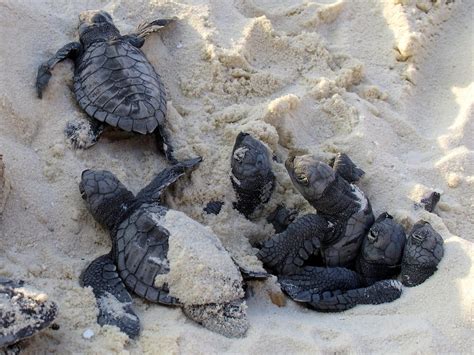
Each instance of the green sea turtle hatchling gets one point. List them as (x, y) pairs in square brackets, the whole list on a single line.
[(113, 80), (24, 311), (161, 255)]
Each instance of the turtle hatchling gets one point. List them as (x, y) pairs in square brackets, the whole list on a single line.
[(341, 257), (252, 176), (161, 255), (24, 311), (113, 81)]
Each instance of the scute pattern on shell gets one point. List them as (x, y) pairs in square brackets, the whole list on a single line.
[(115, 83), (141, 247)]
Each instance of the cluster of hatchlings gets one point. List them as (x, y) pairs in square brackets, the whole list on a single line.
[(330, 261)]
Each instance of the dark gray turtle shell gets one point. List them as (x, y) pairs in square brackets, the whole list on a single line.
[(115, 83), (141, 249)]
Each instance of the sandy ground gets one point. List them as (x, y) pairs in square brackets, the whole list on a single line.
[(388, 82)]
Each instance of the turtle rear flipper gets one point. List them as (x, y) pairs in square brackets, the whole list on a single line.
[(113, 300), (337, 289), (23, 311), (83, 134)]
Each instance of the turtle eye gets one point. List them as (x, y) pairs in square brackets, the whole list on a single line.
[(418, 237), (373, 235), (302, 179)]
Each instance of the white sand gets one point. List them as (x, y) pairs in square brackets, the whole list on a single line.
[(388, 82)]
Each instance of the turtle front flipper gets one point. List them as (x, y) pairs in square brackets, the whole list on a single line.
[(137, 39), (336, 289), (152, 192), (282, 217), (113, 300), (70, 50), (145, 28), (286, 252), (345, 167)]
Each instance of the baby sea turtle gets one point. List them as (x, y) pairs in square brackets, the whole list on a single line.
[(252, 176), (314, 256), (24, 311), (161, 255), (341, 205), (113, 81)]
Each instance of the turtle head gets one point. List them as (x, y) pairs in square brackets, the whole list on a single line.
[(96, 25), (422, 254), (250, 162), (106, 197), (384, 242), (310, 176), (252, 176)]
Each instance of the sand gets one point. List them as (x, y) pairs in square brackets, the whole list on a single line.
[(390, 83)]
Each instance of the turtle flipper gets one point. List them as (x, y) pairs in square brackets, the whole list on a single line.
[(380, 292), (307, 283), (83, 134), (106, 197), (111, 296), (286, 252), (145, 28), (336, 289), (23, 311), (152, 192), (164, 145), (281, 218), (345, 167), (70, 50), (430, 201)]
